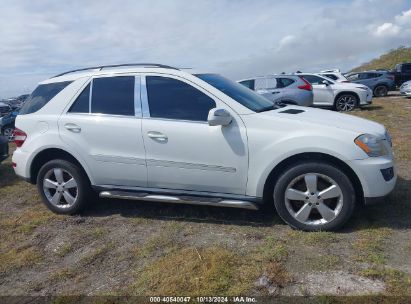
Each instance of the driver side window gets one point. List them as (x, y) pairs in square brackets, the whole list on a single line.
[(174, 99)]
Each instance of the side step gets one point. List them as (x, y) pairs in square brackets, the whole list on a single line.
[(186, 199)]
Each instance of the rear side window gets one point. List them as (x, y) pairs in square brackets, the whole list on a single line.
[(113, 95), (284, 82), (41, 96), (81, 105), (331, 76), (173, 99)]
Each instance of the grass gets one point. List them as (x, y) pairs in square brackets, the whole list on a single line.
[(370, 245), (15, 259), (387, 61)]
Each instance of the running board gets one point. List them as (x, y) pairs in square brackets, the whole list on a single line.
[(186, 199)]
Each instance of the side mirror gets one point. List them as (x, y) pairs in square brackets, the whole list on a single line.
[(219, 117), (325, 82)]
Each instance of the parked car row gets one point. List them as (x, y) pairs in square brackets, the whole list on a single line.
[(9, 109), (306, 89)]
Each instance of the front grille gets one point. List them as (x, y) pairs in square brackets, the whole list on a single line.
[(387, 173)]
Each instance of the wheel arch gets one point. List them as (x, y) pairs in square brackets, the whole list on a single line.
[(49, 154), (275, 173)]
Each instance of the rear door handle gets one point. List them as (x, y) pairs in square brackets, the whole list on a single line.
[(157, 136), (72, 127)]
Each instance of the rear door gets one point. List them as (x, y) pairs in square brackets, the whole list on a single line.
[(104, 125), (267, 87)]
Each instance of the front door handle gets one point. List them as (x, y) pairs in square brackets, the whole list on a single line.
[(157, 136), (72, 127)]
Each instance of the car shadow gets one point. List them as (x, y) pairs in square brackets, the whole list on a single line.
[(7, 175), (394, 212)]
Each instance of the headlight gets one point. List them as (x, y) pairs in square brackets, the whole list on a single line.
[(371, 144)]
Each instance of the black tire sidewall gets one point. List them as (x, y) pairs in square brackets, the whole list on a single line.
[(342, 95), (83, 186), (315, 167), (379, 86)]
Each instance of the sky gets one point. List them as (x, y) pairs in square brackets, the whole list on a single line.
[(237, 38)]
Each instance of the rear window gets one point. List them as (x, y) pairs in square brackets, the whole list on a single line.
[(41, 96)]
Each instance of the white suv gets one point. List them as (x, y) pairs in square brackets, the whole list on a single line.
[(156, 133), (342, 96)]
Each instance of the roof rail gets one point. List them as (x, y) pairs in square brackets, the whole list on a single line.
[(118, 65)]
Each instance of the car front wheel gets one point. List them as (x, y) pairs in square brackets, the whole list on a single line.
[(346, 103), (63, 186), (314, 196)]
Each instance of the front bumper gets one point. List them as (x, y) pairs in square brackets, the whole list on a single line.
[(406, 92), (372, 173)]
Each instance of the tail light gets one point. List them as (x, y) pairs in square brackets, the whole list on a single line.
[(307, 86), (19, 137)]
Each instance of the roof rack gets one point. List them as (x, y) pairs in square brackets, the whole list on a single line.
[(119, 65)]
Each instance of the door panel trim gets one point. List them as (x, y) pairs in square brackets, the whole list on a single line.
[(184, 165), (118, 159)]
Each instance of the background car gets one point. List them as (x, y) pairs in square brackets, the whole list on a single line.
[(4, 108), (402, 73), (379, 81), (7, 124), (405, 88), (4, 148), (335, 75), (283, 89), (341, 96)]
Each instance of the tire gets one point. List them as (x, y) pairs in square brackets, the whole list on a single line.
[(308, 213), (8, 132), (58, 173), (345, 102), (380, 91)]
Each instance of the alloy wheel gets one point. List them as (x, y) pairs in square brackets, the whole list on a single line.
[(60, 188), (8, 132), (380, 91), (346, 103), (313, 199)]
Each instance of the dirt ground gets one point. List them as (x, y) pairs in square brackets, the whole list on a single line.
[(142, 248)]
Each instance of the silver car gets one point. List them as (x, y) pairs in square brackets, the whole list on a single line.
[(405, 88), (282, 89)]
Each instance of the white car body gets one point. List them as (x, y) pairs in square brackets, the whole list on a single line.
[(405, 88), (327, 94), (233, 161), (335, 75)]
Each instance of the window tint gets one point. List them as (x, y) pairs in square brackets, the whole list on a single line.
[(81, 105), (41, 96), (236, 91), (248, 83), (313, 79), (173, 99), (113, 95), (331, 76), (284, 82), (406, 67)]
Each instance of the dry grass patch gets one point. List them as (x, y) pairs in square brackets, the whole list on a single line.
[(398, 283), (14, 259), (370, 245), (192, 271)]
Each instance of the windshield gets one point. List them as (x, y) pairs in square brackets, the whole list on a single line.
[(238, 92)]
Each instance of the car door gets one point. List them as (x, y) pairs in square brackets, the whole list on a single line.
[(267, 87), (104, 126), (323, 94), (183, 151)]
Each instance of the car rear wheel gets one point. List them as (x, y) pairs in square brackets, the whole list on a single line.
[(380, 91), (63, 186), (346, 102), (8, 132), (314, 196)]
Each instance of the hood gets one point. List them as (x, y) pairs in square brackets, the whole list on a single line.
[(328, 119)]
